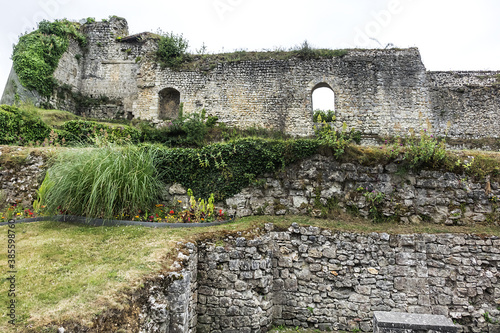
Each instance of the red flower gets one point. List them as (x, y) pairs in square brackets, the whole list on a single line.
[(171, 212), (220, 211)]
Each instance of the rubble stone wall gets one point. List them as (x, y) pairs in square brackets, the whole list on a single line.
[(309, 277), (321, 181), (379, 92)]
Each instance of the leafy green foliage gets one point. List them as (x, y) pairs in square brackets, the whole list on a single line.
[(338, 141), (84, 131), (19, 126), (188, 130), (39, 202), (104, 182), (375, 200), (223, 168), (37, 54), (171, 50), (319, 116), (419, 151)]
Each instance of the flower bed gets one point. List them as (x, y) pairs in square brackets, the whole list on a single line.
[(194, 211)]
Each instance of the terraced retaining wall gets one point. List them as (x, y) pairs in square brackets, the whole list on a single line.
[(308, 277), (303, 188), (438, 196)]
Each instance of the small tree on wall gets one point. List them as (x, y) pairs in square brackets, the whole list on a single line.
[(171, 50)]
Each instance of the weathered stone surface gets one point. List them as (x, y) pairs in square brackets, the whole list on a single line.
[(311, 277), (177, 189), (388, 322), (413, 202), (369, 85)]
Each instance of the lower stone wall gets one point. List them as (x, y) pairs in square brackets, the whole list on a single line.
[(319, 181), (235, 286), (309, 277), (172, 298), (21, 172)]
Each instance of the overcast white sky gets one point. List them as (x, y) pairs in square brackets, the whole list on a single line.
[(451, 34)]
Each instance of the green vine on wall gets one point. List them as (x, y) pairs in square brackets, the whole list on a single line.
[(224, 168), (37, 54)]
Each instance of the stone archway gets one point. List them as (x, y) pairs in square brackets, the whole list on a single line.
[(323, 97), (169, 101)]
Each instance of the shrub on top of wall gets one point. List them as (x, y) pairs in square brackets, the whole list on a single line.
[(37, 54), (20, 126), (171, 50)]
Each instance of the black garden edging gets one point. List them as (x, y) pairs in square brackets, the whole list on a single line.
[(108, 223)]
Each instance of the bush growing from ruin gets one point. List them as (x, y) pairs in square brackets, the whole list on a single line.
[(319, 116), (171, 50), (419, 151), (329, 137)]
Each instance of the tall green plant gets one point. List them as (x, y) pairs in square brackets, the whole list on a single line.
[(45, 187), (104, 182), (338, 141), (171, 50), (418, 151)]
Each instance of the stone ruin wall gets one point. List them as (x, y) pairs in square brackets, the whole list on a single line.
[(466, 104), (379, 92), (308, 277), (319, 181)]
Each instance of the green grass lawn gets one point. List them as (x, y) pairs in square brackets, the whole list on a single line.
[(69, 271)]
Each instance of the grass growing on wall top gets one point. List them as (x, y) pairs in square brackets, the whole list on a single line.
[(209, 61)]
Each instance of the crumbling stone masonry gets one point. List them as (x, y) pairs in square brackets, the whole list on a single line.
[(309, 277), (379, 92)]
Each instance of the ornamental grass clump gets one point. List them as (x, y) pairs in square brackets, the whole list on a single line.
[(104, 182)]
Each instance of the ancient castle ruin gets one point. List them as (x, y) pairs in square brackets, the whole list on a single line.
[(379, 92)]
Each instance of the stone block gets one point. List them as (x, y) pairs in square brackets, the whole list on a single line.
[(392, 322)]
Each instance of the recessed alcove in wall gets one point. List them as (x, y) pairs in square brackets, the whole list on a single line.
[(169, 101), (323, 97)]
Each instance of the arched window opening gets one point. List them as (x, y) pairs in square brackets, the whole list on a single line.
[(323, 101), (169, 101)]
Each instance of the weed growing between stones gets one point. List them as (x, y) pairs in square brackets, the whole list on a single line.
[(418, 151), (375, 200)]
